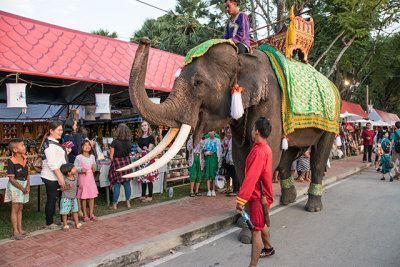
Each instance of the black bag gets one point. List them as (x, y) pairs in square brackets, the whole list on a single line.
[(397, 143), (388, 163)]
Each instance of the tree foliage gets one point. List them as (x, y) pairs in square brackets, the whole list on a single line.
[(106, 33)]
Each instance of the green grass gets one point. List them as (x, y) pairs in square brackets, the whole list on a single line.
[(33, 220)]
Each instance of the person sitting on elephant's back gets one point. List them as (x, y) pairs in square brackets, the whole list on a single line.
[(213, 156), (238, 27)]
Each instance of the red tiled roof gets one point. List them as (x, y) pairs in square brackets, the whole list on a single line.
[(353, 108), (33, 47), (385, 116)]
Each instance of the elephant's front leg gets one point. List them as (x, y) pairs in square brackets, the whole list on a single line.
[(288, 189), (319, 157)]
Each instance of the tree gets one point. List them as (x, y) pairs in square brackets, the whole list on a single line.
[(180, 31), (105, 32)]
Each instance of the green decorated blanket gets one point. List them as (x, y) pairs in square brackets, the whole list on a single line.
[(309, 99)]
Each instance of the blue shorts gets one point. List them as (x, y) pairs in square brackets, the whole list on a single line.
[(68, 205)]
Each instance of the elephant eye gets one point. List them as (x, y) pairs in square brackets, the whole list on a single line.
[(198, 82)]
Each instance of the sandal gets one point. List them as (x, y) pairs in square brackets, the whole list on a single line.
[(149, 199), (78, 226), (85, 218), (192, 195), (17, 237), (53, 227), (65, 227), (93, 218), (198, 194), (26, 233), (232, 195)]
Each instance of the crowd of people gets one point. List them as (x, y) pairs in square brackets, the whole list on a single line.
[(212, 159)]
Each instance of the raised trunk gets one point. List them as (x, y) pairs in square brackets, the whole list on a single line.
[(156, 114)]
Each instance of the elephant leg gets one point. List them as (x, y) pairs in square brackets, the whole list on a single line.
[(319, 157), (288, 189)]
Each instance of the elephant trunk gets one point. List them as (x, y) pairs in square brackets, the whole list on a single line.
[(156, 114)]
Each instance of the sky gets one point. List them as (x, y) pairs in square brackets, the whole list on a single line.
[(121, 16)]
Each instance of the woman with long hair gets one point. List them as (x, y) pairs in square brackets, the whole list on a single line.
[(120, 157), (53, 155), (146, 143)]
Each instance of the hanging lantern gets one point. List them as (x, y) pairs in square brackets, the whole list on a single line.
[(102, 103), (16, 97), (90, 114)]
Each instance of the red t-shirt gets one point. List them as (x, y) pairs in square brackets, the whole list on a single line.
[(370, 134), (258, 167)]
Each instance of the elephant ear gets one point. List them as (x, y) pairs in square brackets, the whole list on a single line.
[(253, 76)]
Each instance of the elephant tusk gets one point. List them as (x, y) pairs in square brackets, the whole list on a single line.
[(172, 151), (157, 150)]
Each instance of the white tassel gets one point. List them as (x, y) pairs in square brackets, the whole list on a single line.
[(338, 142), (285, 144), (237, 106), (178, 72)]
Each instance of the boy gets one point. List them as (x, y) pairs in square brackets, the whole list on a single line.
[(258, 168), (18, 188), (68, 201), (386, 163)]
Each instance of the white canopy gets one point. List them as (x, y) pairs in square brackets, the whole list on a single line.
[(350, 117)]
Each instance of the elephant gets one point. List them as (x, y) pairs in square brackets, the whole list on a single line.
[(200, 101)]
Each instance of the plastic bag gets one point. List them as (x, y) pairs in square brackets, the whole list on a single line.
[(328, 164), (219, 181), (99, 153)]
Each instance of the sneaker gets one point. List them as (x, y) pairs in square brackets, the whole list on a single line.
[(383, 179), (213, 193), (267, 252), (209, 193)]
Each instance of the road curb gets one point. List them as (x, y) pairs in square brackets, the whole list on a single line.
[(186, 235)]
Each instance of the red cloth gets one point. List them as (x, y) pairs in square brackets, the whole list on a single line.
[(257, 215), (258, 168), (370, 134)]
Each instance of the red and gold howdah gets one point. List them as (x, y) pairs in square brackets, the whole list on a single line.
[(304, 38)]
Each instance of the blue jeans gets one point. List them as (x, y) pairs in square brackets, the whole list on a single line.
[(117, 187)]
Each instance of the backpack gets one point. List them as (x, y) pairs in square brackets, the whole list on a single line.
[(397, 143), (388, 164)]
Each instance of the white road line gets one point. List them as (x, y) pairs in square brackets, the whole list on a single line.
[(162, 260), (212, 239), (232, 230)]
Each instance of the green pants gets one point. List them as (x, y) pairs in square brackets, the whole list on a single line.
[(211, 167), (195, 170)]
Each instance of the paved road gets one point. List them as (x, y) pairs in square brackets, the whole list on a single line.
[(359, 226)]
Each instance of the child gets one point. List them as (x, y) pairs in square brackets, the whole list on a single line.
[(386, 163), (213, 156), (196, 165), (68, 202), (303, 165), (18, 187), (85, 165)]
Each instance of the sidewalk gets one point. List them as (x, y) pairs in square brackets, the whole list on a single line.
[(133, 235)]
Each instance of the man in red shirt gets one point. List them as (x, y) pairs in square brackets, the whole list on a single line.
[(258, 168), (368, 139)]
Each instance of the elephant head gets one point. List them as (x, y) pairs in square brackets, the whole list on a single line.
[(200, 98)]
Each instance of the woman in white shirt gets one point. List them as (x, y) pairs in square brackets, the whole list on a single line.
[(53, 155)]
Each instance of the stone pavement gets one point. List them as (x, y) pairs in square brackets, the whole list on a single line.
[(137, 226)]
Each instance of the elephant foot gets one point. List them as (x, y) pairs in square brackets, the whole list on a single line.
[(288, 195), (314, 203), (245, 236)]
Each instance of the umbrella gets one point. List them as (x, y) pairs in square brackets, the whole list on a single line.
[(350, 117)]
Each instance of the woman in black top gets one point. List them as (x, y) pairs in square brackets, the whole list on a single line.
[(119, 156), (145, 145)]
